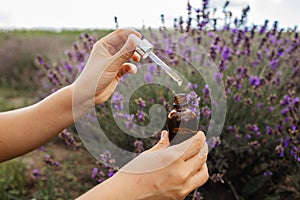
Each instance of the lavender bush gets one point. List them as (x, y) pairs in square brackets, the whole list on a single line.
[(258, 155)]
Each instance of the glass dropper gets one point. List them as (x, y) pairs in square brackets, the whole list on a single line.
[(145, 49), (165, 67)]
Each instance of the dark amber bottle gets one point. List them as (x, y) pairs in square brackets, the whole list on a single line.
[(182, 121)]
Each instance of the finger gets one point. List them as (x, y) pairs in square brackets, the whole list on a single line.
[(123, 55), (136, 57), (126, 68), (199, 178), (162, 143), (196, 145), (197, 161), (116, 40)]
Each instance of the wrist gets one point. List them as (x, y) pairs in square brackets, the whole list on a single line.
[(120, 186), (82, 101)]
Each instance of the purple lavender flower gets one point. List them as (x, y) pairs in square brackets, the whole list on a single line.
[(68, 67), (36, 173), (271, 108), (149, 78), (296, 101), (141, 103), (50, 162), (194, 100), (286, 142), (141, 115), (213, 141), (230, 128), (286, 100), (274, 64), (284, 111), (280, 52), (279, 148), (254, 81), (281, 154), (189, 85), (130, 123), (152, 68), (226, 53), (110, 173), (138, 146), (242, 72), (218, 76), (169, 51), (255, 128), (94, 173), (117, 101), (100, 180), (80, 66), (205, 91), (293, 128), (40, 60), (237, 97), (222, 65), (211, 34), (268, 130), (268, 173), (227, 91), (206, 111)]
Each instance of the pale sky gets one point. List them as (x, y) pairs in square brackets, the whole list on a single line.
[(131, 13)]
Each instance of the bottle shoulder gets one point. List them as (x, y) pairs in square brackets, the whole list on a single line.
[(183, 114)]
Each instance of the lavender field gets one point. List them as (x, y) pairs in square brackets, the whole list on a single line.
[(257, 155)]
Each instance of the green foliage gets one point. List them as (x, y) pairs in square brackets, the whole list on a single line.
[(13, 180), (19, 49)]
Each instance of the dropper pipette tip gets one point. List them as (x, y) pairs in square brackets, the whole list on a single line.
[(168, 70)]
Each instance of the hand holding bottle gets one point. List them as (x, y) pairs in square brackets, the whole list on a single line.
[(174, 181)]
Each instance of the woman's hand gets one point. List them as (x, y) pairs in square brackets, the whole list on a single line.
[(106, 65), (174, 181)]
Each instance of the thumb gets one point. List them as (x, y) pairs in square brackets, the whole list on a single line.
[(123, 55), (162, 143)]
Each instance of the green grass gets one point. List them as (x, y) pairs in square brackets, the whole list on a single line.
[(19, 48), (12, 98), (67, 181), (12, 179)]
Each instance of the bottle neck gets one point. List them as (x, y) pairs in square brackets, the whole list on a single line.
[(179, 107), (180, 102)]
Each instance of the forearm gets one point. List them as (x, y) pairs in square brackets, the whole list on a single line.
[(25, 129)]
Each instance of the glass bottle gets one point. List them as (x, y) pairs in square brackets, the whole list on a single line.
[(182, 121)]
